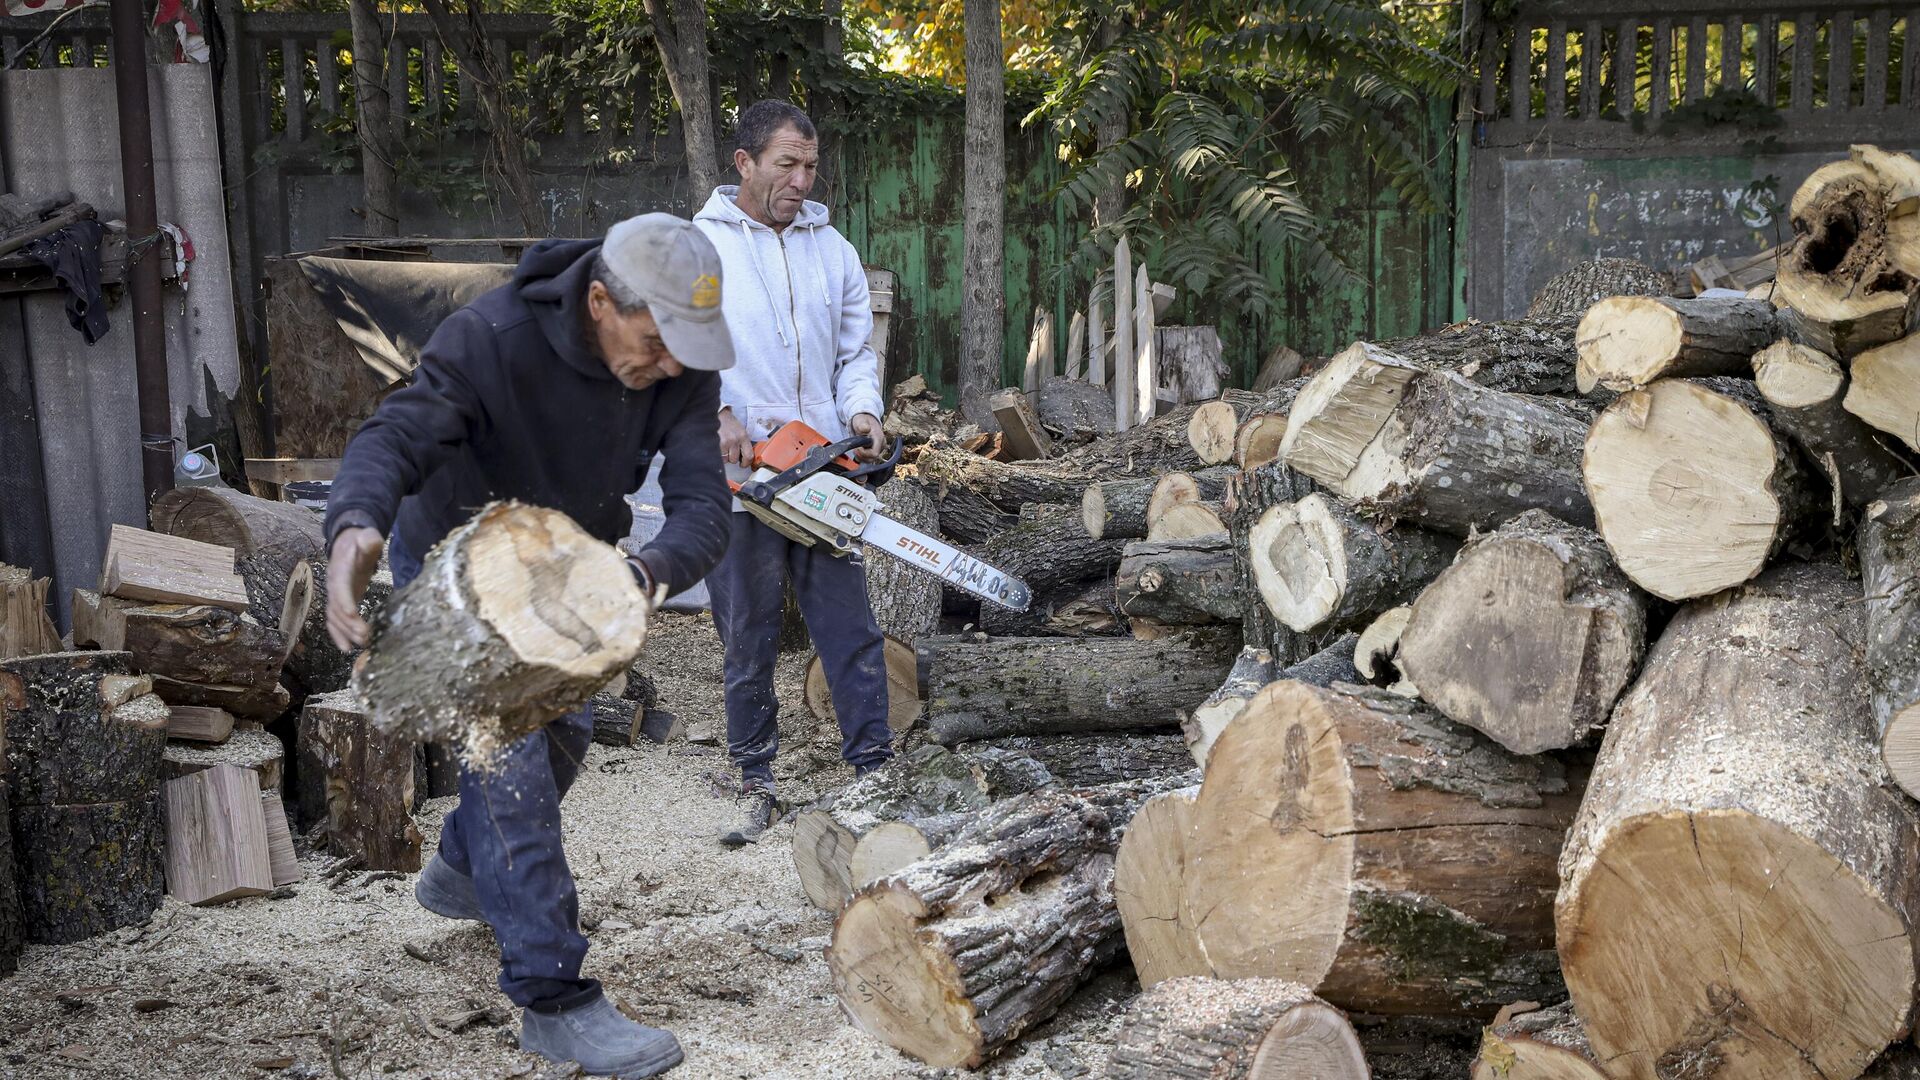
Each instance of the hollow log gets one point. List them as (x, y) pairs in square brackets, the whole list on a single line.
[(1318, 564), (1693, 489), (1529, 637), (1180, 581), (1885, 389), (250, 526), (1536, 1044), (1738, 794), (1627, 342), (905, 600), (1249, 498), (1359, 844), (980, 688), (958, 954), (1889, 549), (1846, 295), (191, 643), (1803, 390), (903, 688), (1574, 290), (1252, 1029), (517, 617), (1376, 653), (358, 780)]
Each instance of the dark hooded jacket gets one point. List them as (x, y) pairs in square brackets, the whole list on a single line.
[(510, 402)]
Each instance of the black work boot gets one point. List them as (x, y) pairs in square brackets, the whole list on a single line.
[(602, 1041), (753, 811)]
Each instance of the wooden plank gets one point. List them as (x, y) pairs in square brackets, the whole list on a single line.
[(1076, 358), (1163, 297), (1801, 100), (1039, 351), (216, 836), (1020, 428), (325, 67), (283, 861), (1146, 365), (1520, 71), (1766, 75), (292, 470), (142, 565), (1732, 45), (201, 723), (1592, 46), (25, 629), (1096, 342), (1123, 365)]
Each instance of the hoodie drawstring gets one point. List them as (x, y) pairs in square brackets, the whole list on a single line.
[(753, 253)]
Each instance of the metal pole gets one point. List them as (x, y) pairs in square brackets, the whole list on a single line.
[(129, 24)]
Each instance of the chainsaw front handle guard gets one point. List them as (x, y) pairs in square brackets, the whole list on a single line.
[(881, 470)]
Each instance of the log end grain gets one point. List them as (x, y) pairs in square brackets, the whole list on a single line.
[(1624, 341), (1885, 389), (1211, 430)]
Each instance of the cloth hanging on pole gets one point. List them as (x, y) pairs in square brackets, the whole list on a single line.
[(73, 254)]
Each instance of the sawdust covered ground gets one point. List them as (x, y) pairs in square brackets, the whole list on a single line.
[(358, 981)]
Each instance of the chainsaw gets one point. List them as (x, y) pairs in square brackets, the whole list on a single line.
[(809, 489)]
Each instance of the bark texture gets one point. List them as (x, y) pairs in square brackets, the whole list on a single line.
[(1573, 291), (1249, 499), (1889, 547), (248, 525), (1535, 355), (905, 600), (1180, 581), (983, 296), (192, 643), (363, 778), (1077, 761), (1250, 1029), (1627, 342)]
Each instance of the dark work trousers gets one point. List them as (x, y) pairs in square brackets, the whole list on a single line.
[(505, 835), (748, 603)]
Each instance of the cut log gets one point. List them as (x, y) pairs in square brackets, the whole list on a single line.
[(1376, 653), (142, 565), (1889, 548), (1342, 410), (79, 728), (1802, 388), (357, 779), (314, 665), (25, 629), (1258, 440), (88, 868), (981, 689), (954, 957), (252, 748), (1187, 521), (946, 472), (1318, 564), (1627, 342), (192, 643), (1077, 761), (1282, 363), (217, 846), (1025, 439), (903, 688), (1249, 498), (245, 702), (1252, 1029), (1180, 581), (1885, 389), (1846, 295), (1181, 489), (1155, 447), (1573, 291), (1211, 431), (517, 617), (199, 723), (1741, 767), (1252, 670), (1115, 509), (1529, 637), (281, 856), (1050, 550), (1693, 490), (1517, 356), (1359, 844), (905, 600), (1092, 611), (250, 526), (616, 721), (1078, 410), (1536, 1044)]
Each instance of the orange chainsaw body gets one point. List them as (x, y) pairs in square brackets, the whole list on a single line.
[(786, 447)]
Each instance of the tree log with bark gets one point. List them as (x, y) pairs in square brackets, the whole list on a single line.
[(1250, 497), (1574, 290), (1803, 390), (903, 687), (1889, 548), (359, 782), (248, 525), (1884, 389), (1846, 295), (1738, 795), (1529, 636), (1077, 761), (1628, 342), (1517, 356), (1180, 581), (1250, 1029), (1526, 1042), (905, 599), (192, 643), (1319, 565), (958, 954)]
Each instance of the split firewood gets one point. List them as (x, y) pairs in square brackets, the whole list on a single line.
[(1250, 1029), (199, 723), (1889, 548), (358, 778), (216, 837), (905, 600), (1376, 653), (258, 703), (281, 856), (1526, 1042), (1324, 847), (1802, 387), (1628, 342), (1317, 564), (957, 955), (1025, 439), (1846, 295), (1742, 767), (1694, 491), (1529, 637), (25, 629), (159, 569), (980, 688), (903, 688), (1574, 290), (1884, 389), (1187, 521), (1250, 497), (1180, 581), (252, 527), (517, 617), (1182, 489), (192, 643), (254, 749)]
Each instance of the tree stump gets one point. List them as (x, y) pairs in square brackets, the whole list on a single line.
[(1846, 295), (357, 781), (1889, 547), (1251, 1029)]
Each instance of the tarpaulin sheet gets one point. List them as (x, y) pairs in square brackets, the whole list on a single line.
[(389, 309)]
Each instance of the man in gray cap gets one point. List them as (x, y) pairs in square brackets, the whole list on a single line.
[(555, 389)]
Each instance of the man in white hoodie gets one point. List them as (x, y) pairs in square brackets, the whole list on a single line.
[(800, 318)]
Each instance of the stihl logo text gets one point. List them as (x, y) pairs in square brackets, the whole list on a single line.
[(909, 544)]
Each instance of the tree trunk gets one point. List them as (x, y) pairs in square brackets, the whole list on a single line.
[(1692, 489), (1628, 342), (1543, 1044), (465, 39), (1517, 356), (903, 688), (83, 766), (1252, 673), (905, 600), (1180, 581), (1571, 292), (1885, 389), (253, 748), (358, 782), (1317, 564), (682, 40), (1738, 795), (1252, 1029), (983, 295), (1189, 362), (1889, 548), (1109, 130), (373, 127), (981, 689), (1529, 636), (25, 629), (957, 955), (1845, 294), (1361, 845), (517, 617), (250, 526), (1802, 388), (190, 643), (1249, 498)]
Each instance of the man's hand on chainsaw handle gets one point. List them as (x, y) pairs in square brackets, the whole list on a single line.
[(350, 568), (869, 425), (735, 447)]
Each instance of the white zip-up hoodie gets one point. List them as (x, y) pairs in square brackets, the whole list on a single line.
[(796, 302)]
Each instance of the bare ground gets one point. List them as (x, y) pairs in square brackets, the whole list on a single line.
[(356, 980)]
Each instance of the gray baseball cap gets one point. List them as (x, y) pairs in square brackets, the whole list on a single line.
[(672, 265)]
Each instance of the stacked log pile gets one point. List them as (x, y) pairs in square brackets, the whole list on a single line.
[(1559, 673)]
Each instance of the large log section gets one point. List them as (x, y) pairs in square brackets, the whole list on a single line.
[(1627, 342), (1890, 571), (1738, 893), (1319, 565)]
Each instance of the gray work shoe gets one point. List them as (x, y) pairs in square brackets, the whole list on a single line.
[(447, 892), (602, 1041), (753, 812)]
